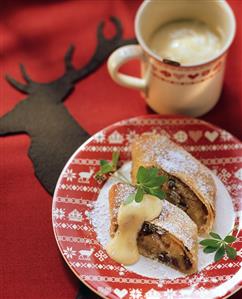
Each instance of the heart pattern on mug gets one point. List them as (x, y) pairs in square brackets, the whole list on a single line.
[(211, 136), (120, 293), (181, 76), (195, 135), (193, 76), (165, 73)]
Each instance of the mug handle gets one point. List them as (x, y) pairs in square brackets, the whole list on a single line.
[(121, 56)]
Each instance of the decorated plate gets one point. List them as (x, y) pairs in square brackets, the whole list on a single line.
[(81, 221)]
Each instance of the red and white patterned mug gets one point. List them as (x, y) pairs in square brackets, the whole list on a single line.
[(169, 88)]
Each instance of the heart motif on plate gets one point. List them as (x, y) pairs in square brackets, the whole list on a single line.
[(165, 73), (195, 135), (211, 136), (193, 76), (120, 293)]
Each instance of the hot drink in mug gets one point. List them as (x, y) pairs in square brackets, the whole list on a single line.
[(182, 48)]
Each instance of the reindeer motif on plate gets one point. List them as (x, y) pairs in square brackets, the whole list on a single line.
[(85, 176), (54, 133)]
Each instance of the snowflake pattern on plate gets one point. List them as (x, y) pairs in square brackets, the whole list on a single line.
[(74, 199), (58, 213), (69, 252), (69, 175), (131, 136)]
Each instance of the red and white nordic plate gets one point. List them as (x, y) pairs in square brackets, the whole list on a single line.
[(77, 191)]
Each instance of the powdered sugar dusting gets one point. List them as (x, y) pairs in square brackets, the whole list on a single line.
[(123, 191), (177, 223), (173, 161), (160, 151), (100, 219)]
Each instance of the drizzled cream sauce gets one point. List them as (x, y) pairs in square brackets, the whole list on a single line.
[(123, 247)]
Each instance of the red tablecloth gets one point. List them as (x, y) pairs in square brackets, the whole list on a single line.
[(38, 34)]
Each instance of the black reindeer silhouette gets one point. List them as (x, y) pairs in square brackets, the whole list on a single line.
[(54, 133)]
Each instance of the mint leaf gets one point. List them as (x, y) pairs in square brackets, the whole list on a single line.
[(231, 252), (152, 171), (129, 199), (158, 193), (219, 254), (141, 174), (139, 195), (106, 168), (210, 243), (219, 245), (103, 162), (156, 181), (150, 182), (229, 239), (144, 175), (209, 249), (215, 235)]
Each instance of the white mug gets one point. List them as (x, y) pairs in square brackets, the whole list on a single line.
[(172, 89)]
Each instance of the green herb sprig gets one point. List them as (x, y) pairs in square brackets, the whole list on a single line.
[(148, 179), (148, 182), (219, 246), (107, 167)]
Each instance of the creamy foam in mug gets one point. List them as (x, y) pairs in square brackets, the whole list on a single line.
[(185, 41)]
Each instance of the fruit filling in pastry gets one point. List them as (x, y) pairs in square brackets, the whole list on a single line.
[(189, 186), (167, 235)]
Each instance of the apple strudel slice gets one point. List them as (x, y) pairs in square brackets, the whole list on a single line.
[(170, 238), (190, 185)]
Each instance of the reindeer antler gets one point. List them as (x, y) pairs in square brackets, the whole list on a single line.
[(108, 44), (104, 48), (68, 58), (25, 88)]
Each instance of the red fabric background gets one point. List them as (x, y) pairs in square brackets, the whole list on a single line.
[(38, 33)]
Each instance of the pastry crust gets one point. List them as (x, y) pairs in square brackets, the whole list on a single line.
[(171, 238), (195, 185)]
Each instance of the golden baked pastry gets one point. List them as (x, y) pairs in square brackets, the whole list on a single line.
[(171, 238), (190, 185)]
